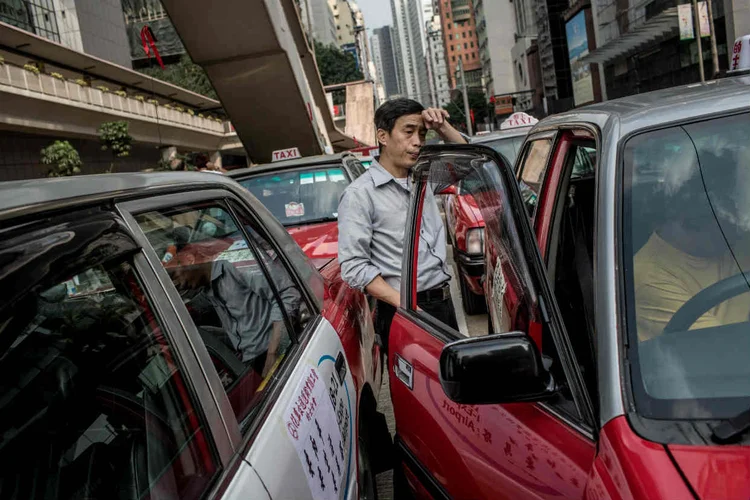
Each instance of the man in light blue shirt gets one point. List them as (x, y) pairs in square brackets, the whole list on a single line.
[(372, 218)]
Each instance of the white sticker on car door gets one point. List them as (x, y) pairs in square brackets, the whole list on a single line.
[(313, 427)]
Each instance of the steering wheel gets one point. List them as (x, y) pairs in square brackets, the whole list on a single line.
[(704, 300)]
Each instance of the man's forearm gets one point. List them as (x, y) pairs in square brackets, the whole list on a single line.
[(381, 290), (451, 135)]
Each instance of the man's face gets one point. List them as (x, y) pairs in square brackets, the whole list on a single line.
[(402, 145)]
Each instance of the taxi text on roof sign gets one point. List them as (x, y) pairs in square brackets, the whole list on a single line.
[(739, 59), (286, 154), (518, 120)]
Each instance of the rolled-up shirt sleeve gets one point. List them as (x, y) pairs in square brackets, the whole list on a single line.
[(355, 237)]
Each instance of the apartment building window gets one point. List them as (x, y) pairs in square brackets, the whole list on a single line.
[(463, 34), (450, 37), (470, 33), (472, 45), (467, 56), (473, 55), (34, 16), (466, 46), (454, 58), (451, 48), (449, 25)]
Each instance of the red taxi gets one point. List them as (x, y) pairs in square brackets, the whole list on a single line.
[(303, 194), (465, 225), (619, 303)]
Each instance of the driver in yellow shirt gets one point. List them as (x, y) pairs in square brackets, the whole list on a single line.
[(688, 252)]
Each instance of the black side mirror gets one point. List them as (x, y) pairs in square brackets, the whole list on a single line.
[(501, 368)]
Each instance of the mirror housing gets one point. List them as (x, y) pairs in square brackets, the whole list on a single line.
[(501, 368), (449, 190)]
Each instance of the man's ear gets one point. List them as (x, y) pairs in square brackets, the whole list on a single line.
[(383, 137)]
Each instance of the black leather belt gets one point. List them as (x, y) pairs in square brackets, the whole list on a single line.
[(442, 292)]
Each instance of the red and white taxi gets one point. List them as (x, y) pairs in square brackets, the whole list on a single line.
[(619, 305), (303, 194)]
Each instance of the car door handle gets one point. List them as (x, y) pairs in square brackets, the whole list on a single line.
[(404, 371)]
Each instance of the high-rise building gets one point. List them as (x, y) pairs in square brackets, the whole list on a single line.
[(437, 68), (496, 36), (317, 20), (96, 27), (460, 41), (525, 56), (385, 60), (553, 54), (409, 50), (343, 17)]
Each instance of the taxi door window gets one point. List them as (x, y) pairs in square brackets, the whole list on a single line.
[(514, 300), (533, 169), (94, 401), (234, 305)]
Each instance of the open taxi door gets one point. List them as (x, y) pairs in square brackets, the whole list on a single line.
[(455, 437)]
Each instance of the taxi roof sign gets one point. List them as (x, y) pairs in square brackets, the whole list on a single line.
[(517, 120), (285, 154), (739, 59)]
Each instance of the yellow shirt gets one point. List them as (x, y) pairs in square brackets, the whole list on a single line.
[(666, 278)]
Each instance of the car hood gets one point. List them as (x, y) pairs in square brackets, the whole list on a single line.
[(468, 205), (715, 471), (320, 242)]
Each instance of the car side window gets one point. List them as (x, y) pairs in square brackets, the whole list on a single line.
[(236, 308), (95, 403), (533, 169), (512, 296)]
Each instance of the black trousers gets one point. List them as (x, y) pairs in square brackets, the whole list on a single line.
[(440, 309)]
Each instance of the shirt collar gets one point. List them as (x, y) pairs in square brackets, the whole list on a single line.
[(380, 175)]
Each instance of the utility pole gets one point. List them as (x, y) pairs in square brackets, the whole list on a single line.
[(467, 113), (714, 52), (697, 32)]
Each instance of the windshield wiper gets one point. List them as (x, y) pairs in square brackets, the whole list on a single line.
[(319, 220), (731, 429)]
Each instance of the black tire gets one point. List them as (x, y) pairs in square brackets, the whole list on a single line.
[(368, 489), (473, 303)]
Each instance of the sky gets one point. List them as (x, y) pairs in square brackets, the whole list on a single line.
[(377, 13)]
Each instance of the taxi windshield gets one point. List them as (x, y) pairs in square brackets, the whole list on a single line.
[(297, 197), (509, 147), (686, 238)]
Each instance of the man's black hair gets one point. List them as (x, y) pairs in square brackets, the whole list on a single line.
[(390, 111)]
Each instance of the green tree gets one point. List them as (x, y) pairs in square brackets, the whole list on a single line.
[(63, 158), (115, 137), (335, 65), (477, 103), (185, 74)]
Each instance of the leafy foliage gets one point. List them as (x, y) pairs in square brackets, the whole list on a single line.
[(185, 74), (477, 103), (335, 65), (114, 136), (63, 158)]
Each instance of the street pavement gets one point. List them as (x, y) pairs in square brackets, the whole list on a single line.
[(468, 325)]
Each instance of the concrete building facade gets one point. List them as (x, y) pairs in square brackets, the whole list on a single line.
[(437, 68), (496, 35), (409, 50), (460, 40), (317, 19), (96, 27), (385, 60), (525, 57)]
